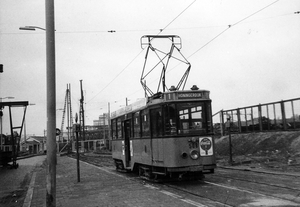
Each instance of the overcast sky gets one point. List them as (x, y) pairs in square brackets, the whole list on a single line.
[(254, 60)]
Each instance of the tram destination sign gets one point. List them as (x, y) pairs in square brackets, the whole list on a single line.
[(189, 95)]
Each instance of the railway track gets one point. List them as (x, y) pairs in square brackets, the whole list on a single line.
[(235, 188), (263, 178), (224, 188)]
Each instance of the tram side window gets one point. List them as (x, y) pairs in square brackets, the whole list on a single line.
[(209, 118), (145, 123), (119, 128), (156, 122), (136, 125), (114, 127), (190, 118), (170, 119)]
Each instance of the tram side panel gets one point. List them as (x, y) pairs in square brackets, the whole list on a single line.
[(141, 151), (117, 149), (158, 152), (178, 152), (174, 152)]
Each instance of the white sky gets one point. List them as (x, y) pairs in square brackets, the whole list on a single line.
[(254, 61)]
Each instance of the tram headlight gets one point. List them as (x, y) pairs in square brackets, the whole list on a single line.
[(194, 154)]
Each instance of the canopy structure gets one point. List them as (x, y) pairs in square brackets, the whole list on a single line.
[(15, 137)]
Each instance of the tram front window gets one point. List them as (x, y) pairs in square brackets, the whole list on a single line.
[(191, 120), (170, 119)]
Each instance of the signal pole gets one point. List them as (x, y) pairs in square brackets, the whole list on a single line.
[(81, 113)]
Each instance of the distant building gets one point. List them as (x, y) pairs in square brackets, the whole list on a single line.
[(102, 121), (34, 145)]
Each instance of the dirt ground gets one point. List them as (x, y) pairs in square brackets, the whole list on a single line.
[(276, 151), (16, 198)]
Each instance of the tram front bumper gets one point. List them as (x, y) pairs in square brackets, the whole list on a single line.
[(186, 169)]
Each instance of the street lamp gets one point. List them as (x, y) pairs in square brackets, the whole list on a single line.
[(32, 28), (8, 97), (51, 103)]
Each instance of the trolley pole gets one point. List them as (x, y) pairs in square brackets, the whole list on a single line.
[(51, 106)]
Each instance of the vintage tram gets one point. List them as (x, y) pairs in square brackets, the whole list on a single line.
[(167, 135)]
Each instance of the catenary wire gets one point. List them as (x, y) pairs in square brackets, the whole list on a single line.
[(161, 30), (230, 26), (222, 32)]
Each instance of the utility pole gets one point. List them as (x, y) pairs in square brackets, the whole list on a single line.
[(51, 106), (109, 135), (81, 113), (76, 127)]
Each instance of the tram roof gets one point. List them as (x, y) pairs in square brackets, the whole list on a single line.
[(170, 96)]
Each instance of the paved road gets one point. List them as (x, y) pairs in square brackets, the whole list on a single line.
[(14, 180)]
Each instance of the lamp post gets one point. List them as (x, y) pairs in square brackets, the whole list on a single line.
[(51, 108), (31, 28), (51, 102), (1, 114)]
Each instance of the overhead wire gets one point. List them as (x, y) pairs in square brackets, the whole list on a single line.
[(230, 26), (222, 32), (161, 30), (116, 76)]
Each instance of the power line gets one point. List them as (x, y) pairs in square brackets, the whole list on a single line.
[(161, 30), (116, 76), (254, 13), (222, 32), (230, 26)]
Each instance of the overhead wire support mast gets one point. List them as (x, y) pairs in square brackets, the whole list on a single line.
[(164, 60), (68, 108)]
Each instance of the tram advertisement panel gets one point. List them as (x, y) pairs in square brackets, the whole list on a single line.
[(206, 148)]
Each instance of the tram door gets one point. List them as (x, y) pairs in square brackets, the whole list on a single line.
[(127, 133)]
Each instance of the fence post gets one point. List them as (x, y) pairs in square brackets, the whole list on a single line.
[(283, 115), (239, 119), (222, 123), (260, 118)]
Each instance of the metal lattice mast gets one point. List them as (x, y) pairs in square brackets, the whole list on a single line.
[(71, 116), (68, 108), (63, 116)]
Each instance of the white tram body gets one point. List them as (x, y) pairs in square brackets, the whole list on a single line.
[(169, 135)]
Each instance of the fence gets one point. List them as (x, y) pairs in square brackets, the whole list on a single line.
[(275, 116)]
